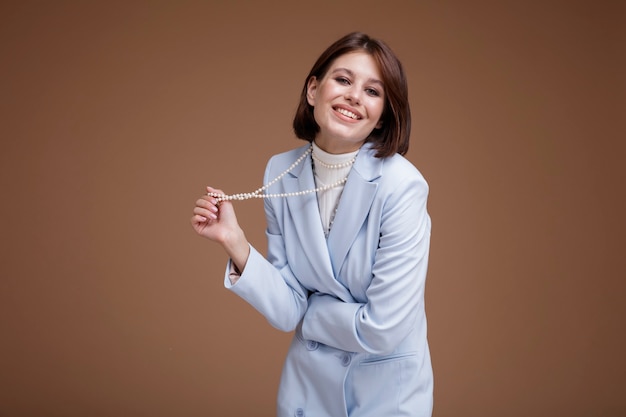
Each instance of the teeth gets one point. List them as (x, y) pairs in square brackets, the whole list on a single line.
[(347, 113)]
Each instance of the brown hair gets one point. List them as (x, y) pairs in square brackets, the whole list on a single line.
[(393, 136)]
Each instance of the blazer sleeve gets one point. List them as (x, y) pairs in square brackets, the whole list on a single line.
[(395, 296), (269, 285)]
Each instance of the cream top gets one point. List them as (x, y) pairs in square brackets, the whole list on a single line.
[(330, 168)]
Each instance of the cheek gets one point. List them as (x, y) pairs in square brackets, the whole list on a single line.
[(323, 96), (376, 110), (317, 114)]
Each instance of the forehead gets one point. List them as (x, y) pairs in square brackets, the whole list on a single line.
[(359, 63)]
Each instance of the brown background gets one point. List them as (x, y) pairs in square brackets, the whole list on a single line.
[(114, 116)]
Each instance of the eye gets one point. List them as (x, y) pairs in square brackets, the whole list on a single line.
[(372, 92), (342, 80)]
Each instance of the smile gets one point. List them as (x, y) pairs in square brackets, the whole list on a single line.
[(347, 113)]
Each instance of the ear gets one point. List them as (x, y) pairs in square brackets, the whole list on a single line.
[(311, 89), (379, 124)]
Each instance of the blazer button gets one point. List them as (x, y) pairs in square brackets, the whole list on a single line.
[(312, 345), (299, 413), (346, 359)]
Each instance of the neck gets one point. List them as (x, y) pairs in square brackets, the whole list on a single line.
[(337, 148)]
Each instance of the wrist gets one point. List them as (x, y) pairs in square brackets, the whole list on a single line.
[(234, 239), (237, 248)]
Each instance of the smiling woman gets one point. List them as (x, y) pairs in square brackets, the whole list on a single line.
[(390, 82), (348, 243), (347, 102)]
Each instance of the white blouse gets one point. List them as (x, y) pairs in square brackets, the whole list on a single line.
[(330, 168)]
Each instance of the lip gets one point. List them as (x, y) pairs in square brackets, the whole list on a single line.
[(359, 116)]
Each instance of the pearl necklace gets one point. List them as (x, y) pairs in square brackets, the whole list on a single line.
[(259, 193), (334, 166)]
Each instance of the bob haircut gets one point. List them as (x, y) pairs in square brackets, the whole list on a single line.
[(393, 136)]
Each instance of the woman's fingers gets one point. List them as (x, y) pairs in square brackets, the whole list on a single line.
[(214, 219), (214, 190), (206, 207)]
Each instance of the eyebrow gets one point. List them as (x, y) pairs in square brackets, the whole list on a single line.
[(351, 73)]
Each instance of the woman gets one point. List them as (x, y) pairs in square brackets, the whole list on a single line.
[(348, 240)]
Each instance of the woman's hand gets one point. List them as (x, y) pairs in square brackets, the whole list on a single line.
[(212, 220), (218, 222)]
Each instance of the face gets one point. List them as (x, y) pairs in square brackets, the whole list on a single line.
[(347, 102)]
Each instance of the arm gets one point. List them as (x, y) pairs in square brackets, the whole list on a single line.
[(269, 286), (395, 295)]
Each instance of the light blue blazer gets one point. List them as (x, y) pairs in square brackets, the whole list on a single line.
[(354, 299)]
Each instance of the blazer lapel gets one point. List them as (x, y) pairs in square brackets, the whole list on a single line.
[(305, 217), (354, 205)]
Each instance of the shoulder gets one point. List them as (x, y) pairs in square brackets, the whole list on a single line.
[(398, 164), (288, 157), (284, 160), (398, 173)]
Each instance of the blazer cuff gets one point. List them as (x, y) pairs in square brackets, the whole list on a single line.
[(233, 273), (332, 322)]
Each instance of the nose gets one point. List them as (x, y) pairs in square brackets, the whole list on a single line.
[(353, 94)]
